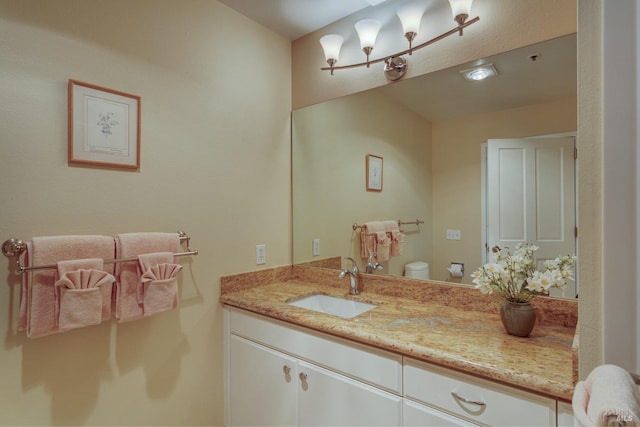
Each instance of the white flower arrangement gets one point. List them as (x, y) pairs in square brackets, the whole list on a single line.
[(515, 277)]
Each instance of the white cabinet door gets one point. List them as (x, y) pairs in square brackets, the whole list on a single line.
[(417, 415), (263, 386), (328, 399)]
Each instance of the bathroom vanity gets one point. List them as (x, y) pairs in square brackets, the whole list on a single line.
[(426, 354)]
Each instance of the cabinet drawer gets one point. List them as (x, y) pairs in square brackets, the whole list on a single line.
[(486, 402), (365, 363), (416, 415)]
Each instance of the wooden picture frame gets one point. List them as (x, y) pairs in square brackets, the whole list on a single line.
[(104, 127), (374, 172)]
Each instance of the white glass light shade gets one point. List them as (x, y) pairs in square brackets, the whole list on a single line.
[(331, 45), (460, 7), (410, 15), (368, 32)]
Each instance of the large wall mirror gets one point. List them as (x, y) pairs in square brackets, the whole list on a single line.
[(429, 132)]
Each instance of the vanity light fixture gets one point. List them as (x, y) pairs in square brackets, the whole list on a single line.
[(410, 16), (480, 72)]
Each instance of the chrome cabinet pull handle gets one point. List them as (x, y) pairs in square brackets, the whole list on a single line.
[(286, 369), (465, 400)]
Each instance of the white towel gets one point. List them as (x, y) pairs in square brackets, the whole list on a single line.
[(608, 394)]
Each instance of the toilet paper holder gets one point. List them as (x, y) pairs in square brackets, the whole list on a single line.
[(456, 269)]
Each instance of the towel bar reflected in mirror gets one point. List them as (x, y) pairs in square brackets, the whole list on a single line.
[(400, 223)]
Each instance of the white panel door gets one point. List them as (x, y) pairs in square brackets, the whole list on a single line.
[(531, 196)]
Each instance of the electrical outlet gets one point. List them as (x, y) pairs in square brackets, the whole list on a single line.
[(261, 254), (454, 235), (315, 247)]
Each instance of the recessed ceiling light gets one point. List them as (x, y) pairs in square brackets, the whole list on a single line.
[(479, 73)]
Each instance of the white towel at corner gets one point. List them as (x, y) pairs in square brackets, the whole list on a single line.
[(608, 393)]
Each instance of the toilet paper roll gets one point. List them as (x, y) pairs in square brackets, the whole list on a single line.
[(456, 270)]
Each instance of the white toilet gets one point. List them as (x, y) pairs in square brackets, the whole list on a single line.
[(417, 270)]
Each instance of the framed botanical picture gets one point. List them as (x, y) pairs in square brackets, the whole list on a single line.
[(374, 173), (104, 126)]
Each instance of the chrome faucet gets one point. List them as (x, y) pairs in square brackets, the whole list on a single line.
[(371, 267), (353, 276)]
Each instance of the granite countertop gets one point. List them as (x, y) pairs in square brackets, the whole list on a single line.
[(444, 325)]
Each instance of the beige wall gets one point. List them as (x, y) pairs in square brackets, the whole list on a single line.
[(457, 171), (215, 163), (331, 142)]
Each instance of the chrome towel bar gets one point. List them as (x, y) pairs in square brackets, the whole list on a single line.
[(355, 225), (15, 248)]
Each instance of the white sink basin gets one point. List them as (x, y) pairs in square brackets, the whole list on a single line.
[(335, 306)]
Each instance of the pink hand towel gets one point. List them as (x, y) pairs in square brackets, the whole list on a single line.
[(396, 236), (368, 237), (145, 263), (129, 274), (608, 394), (40, 296), (91, 264), (80, 300), (397, 243), (383, 246), (160, 288)]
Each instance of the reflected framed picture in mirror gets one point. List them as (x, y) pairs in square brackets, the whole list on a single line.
[(374, 173)]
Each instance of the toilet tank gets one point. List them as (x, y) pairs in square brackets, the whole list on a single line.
[(417, 270)]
